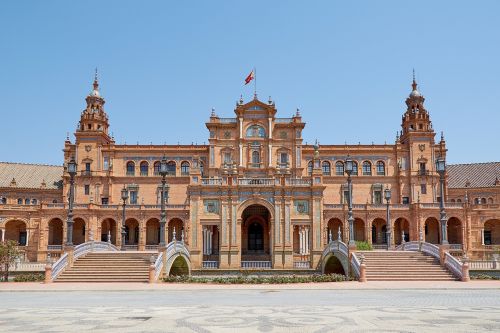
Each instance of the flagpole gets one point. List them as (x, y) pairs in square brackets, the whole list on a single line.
[(255, 82)]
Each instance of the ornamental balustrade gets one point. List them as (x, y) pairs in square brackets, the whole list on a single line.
[(302, 264), (483, 264), (158, 265), (336, 246), (131, 247), (211, 181), (456, 247), (333, 206), (283, 120), (256, 181), (210, 264), (151, 247), (27, 267), (298, 182), (430, 249), (228, 120), (356, 265), (453, 265), (408, 246), (256, 264)]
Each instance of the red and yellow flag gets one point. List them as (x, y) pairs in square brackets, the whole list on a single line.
[(250, 77)]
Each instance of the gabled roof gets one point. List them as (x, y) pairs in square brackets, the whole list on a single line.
[(474, 175), (30, 175)]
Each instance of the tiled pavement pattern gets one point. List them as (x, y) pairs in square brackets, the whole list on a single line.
[(252, 311)]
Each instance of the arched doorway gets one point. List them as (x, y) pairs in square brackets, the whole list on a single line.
[(78, 231), (454, 230), (379, 231), (359, 230), (108, 226), (491, 232), (255, 233), (401, 225), (333, 266), (55, 232), (177, 225), (334, 225), (16, 230), (431, 231), (179, 267), (152, 232), (131, 232)]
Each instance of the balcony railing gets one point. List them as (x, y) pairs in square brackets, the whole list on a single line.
[(283, 120), (297, 182), (256, 264), (54, 247), (210, 264), (151, 247), (302, 264), (211, 181), (256, 181), (228, 120)]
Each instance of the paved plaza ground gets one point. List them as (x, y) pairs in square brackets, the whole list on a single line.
[(322, 307)]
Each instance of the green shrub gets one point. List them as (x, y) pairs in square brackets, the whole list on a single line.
[(363, 246), (484, 277), (257, 280), (29, 277)]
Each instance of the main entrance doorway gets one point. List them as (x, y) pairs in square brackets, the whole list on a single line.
[(255, 234)]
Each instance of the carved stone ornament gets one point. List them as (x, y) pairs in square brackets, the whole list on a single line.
[(227, 135), (421, 147), (88, 148)]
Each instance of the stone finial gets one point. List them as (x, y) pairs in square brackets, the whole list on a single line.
[(330, 238), (241, 99), (339, 235), (270, 101), (297, 113), (497, 181), (109, 236), (212, 115), (13, 182), (43, 184), (467, 183), (173, 235)]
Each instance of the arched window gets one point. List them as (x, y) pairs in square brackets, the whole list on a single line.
[(19, 201), (185, 168), (354, 168), (201, 168), (27, 201), (54, 201), (339, 168), (490, 200), (459, 200), (144, 168), (256, 131), (367, 168), (255, 158), (452, 200), (476, 201), (3, 201), (34, 201), (310, 168), (483, 201), (325, 166), (156, 168), (380, 168), (130, 168), (171, 168)]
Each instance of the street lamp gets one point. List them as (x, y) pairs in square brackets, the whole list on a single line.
[(387, 196), (349, 167), (441, 169), (124, 198), (72, 172), (163, 215)]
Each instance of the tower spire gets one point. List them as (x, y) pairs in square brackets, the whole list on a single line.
[(414, 83)]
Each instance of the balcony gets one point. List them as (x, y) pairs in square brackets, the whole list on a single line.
[(211, 181), (86, 173), (297, 182), (256, 181)]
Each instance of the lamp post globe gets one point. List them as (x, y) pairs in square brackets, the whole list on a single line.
[(71, 167), (441, 170), (349, 165), (387, 196), (124, 232)]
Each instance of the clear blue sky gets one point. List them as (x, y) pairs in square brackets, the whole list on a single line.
[(164, 64)]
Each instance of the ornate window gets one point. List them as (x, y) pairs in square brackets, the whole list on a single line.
[(27, 201), (171, 168), (325, 166), (354, 168), (367, 168), (19, 201), (201, 168), (255, 158), (130, 168), (310, 168), (256, 131), (144, 168), (156, 168), (339, 168), (380, 168), (185, 168)]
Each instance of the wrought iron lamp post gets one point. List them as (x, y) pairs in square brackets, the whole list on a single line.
[(441, 169), (349, 166), (124, 232), (72, 172), (163, 215), (387, 196)]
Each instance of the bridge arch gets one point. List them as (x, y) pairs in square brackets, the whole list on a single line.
[(178, 261), (339, 251)]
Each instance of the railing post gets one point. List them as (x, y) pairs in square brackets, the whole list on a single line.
[(362, 272), (443, 248), (48, 273), (465, 272), (71, 251)]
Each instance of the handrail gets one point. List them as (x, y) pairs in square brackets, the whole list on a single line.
[(408, 246), (158, 265), (453, 265), (431, 249), (336, 245), (356, 265), (58, 266)]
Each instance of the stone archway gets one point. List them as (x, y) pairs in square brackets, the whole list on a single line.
[(333, 266), (491, 233), (78, 231), (16, 230), (359, 230), (454, 230), (55, 232), (334, 225), (152, 232), (176, 225), (431, 231), (179, 267), (108, 227), (401, 225), (255, 233), (379, 231), (131, 232)]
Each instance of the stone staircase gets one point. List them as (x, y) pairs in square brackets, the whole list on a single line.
[(109, 267), (403, 266)]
